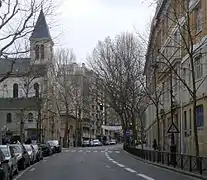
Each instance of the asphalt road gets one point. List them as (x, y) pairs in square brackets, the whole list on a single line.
[(101, 163)]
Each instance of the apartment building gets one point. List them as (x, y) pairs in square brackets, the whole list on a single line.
[(176, 57)]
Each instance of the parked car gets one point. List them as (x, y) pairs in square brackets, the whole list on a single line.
[(112, 142), (46, 150), (4, 167), (86, 143), (51, 145), (38, 152), (106, 143), (23, 159), (31, 152), (96, 142), (9, 154), (56, 148)]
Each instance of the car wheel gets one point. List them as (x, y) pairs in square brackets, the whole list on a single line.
[(11, 173), (16, 171)]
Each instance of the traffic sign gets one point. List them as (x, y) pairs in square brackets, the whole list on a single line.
[(173, 128)]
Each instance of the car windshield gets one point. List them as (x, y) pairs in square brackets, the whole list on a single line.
[(17, 149), (28, 147), (51, 143), (55, 142), (5, 151)]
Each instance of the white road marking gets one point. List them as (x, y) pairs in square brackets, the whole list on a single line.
[(117, 152), (145, 177), (88, 151), (102, 151), (120, 165), (107, 166), (80, 151), (95, 151), (130, 170), (32, 169), (109, 151), (114, 162), (44, 160), (73, 151)]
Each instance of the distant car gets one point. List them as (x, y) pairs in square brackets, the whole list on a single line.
[(86, 143), (4, 167), (23, 159), (46, 150), (31, 152), (106, 142), (112, 141), (56, 148), (12, 159), (96, 142)]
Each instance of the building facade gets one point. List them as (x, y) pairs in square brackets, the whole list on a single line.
[(176, 54), (27, 108)]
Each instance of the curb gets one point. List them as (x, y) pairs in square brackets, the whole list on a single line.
[(167, 167)]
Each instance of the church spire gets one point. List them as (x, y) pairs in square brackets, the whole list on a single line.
[(41, 30)]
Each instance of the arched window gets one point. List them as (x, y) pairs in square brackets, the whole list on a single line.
[(15, 90), (30, 117), (42, 52), (36, 88), (9, 118), (37, 51)]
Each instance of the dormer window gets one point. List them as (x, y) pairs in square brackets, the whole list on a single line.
[(42, 52)]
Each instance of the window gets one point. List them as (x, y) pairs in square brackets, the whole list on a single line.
[(30, 117), (200, 116), (190, 122), (9, 118), (15, 90), (185, 123), (42, 52), (37, 52), (198, 13), (198, 67), (36, 88)]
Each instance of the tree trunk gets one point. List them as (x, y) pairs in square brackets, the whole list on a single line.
[(195, 125), (22, 126), (65, 139), (39, 126), (158, 126)]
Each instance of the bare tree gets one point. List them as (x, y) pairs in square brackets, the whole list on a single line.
[(65, 87), (118, 63), (17, 20), (184, 40)]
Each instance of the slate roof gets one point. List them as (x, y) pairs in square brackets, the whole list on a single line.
[(20, 66), (19, 103), (41, 29)]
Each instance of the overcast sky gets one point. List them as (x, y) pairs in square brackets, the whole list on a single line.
[(84, 22)]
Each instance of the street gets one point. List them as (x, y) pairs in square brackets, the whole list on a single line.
[(97, 163)]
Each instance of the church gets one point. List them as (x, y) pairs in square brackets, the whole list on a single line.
[(27, 103)]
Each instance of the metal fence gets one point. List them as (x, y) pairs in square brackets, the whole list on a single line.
[(185, 162)]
